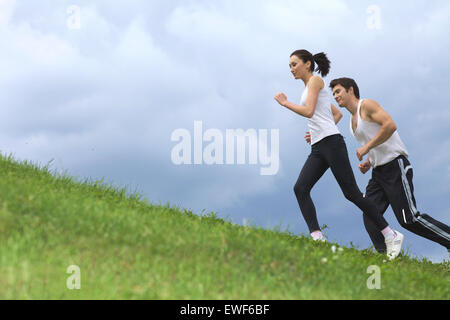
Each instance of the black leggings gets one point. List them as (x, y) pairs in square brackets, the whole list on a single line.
[(331, 152)]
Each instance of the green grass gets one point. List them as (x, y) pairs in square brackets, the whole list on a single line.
[(128, 248)]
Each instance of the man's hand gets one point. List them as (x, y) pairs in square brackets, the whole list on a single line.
[(308, 137), (364, 167), (281, 98), (362, 152)]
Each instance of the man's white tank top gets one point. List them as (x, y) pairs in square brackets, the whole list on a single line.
[(385, 152), (321, 125)]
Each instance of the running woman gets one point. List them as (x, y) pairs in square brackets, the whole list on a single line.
[(392, 176), (328, 149)]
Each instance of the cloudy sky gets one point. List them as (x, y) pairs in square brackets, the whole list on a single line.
[(101, 86)]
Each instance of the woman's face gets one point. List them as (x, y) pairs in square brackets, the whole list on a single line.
[(298, 67)]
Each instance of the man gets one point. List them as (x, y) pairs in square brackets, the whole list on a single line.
[(391, 182)]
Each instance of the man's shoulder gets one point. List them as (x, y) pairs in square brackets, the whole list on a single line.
[(369, 103), (368, 106)]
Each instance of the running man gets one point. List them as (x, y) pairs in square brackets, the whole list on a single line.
[(328, 149), (392, 176)]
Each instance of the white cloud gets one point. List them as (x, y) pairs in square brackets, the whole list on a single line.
[(6, 11), (205, 24), (434, 24), (303, 19)]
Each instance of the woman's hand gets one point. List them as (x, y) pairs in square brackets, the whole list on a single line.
[(281, 98), (308, 137)]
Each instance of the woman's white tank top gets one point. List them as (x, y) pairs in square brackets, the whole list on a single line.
[(321, 125), (385, 152)]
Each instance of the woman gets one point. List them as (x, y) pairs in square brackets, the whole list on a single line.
[(328, 148)]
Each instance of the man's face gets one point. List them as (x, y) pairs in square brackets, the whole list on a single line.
[(341, 95)]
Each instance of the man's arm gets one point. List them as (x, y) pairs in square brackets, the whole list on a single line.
[(375, 113), (365, 166), (337, 114)]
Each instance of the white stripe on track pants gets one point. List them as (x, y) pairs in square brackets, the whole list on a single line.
[(391, 184)]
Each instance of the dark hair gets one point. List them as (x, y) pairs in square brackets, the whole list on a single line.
[(323, 64), (347, 83)]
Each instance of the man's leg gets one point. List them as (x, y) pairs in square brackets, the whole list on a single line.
[(400, 193), (375, 193), (312, 171)]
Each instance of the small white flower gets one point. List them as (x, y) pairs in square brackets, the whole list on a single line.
[(333, 249), (324, 260)]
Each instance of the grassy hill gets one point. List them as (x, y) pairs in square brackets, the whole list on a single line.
[(128, 248)]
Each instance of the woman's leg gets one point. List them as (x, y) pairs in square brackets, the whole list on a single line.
[(335, 151), (312, 171)]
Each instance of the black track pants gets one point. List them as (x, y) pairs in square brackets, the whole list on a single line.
[(331, 152), (391, 184)]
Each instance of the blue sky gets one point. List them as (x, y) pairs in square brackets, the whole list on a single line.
[(103, 99)]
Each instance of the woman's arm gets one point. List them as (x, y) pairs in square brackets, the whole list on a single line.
[(337, 114), (314, 86)]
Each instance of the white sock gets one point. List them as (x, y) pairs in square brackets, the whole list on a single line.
[(317, 235), (388, 233)]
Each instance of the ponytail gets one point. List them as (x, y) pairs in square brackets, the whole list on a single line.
[(323, 63), (321, 59)]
